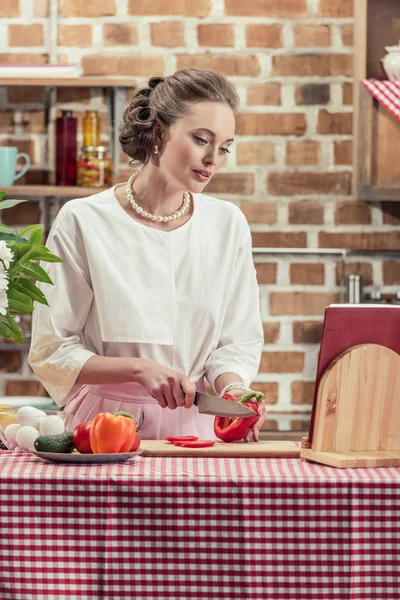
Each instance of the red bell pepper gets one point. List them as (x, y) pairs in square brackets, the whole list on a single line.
[(195, 444), (182, 438), (233, 430)]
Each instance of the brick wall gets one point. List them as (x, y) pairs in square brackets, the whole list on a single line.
[(290, 170)]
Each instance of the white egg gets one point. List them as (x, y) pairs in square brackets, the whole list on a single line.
[(10, 433), (26, 437), (52, 425), (29, 415)]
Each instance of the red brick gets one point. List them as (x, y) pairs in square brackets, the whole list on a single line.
[(307, 332), (301, 303), (24, 59), (259, 212), (312, 93), (24, 387), (69, 95), (181, 8), (126, 64), (355, 268), (26, 213), (352, 213), (306, 212), (229, 64), (266, 273), (22, 95), (306, 65), (169, 34), (391, 273), (35, 121), (288, 184), (255, 153), (335, 123), (271, 332), (347, 35), (279, 239), (343, 152), (377, 240), (79, 36), (337, 9), (88, 9), (271, 124), (216, 34), (25, 35), (303, 153), (120, 34), (266, 8), (231, 183), (264, 36), (391, 213), (268, 94), (303, 392), (10, 8), (6, 121), (347, 90), (282, 362), (10, 361), (307, 274), (306, 36), (269, 389)]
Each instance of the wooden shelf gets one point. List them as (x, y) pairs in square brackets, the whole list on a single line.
[(84, 81), (51, 191)]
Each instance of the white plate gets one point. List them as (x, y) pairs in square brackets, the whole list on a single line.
[(76, 457)]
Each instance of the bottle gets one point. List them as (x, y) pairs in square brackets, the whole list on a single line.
[(91, 129), (375, 297), (396, 298), (66, 126)]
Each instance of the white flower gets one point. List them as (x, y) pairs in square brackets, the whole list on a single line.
[(6, 254), (3, 302), (3, 277)]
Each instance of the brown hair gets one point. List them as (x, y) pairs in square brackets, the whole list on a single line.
[(166, 99)]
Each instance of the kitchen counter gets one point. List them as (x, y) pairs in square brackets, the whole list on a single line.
[(198, 529)]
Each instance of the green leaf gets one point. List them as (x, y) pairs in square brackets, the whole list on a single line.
[(6, 229), (34, 272), (10, 203), (21, 299), (2, 194), (30, 228), (8, 237), (46, 257), (5, 330), (16, 330), (25, 286)]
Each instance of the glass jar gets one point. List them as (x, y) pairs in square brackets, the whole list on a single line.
[(66, 148), (95, 167), (91, 128)]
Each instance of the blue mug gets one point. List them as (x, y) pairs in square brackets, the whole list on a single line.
[(9, 156)]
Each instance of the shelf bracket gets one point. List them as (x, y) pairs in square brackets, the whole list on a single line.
[(116, 105)]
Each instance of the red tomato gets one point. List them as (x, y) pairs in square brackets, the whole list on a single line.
[(182, 438), (195, 444), (81, 438)]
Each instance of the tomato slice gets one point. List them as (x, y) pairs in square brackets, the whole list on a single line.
[(195, 444), (182, 438)]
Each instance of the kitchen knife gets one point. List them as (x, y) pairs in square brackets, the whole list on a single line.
[(220, 407)]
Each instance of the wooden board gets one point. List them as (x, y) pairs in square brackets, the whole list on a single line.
[(358, 406), (281, 449), (351, 460)]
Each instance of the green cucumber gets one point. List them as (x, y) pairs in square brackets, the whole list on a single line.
[(55, 443)]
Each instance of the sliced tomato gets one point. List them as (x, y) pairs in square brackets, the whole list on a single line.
[(182, 438), (195, 444)]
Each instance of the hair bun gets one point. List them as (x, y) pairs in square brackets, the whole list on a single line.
[(155, 81)]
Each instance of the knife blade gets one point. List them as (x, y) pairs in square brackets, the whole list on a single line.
[(220, 407)]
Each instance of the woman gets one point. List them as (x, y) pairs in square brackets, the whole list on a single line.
[(158, 287)]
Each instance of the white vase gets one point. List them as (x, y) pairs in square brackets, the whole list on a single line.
[(391, 63)]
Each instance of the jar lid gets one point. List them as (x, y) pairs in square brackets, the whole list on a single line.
[(94, 149)]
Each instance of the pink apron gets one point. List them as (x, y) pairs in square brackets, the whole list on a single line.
[(133, 398)]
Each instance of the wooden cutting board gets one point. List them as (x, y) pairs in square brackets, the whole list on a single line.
[(281, 449)]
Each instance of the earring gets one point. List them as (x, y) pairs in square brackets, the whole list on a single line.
[(156, 149)]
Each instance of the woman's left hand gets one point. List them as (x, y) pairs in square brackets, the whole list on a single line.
[(254, 431)]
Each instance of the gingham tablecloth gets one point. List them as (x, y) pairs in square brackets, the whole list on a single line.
[(387, 93), (197, 528)]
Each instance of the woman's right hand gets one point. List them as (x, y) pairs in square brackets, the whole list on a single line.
[(170, 388)]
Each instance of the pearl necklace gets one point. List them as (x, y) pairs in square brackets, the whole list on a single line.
[(176, 215)]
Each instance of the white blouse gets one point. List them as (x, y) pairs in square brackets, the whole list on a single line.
[(186, 298)]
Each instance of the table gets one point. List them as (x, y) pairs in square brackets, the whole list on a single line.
[(197, 528)]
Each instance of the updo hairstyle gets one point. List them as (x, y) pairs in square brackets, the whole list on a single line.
[(166, 99)]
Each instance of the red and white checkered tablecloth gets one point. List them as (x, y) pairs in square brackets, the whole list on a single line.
[(387, 93), (197, 529)]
